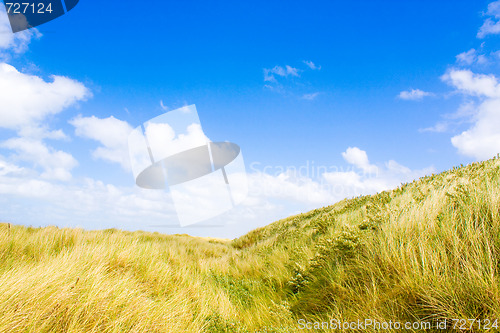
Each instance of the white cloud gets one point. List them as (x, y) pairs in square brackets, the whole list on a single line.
[(496, 55), (482, 140), (467, 58), (40, 132), (164, 141), (494, 9), (373, 179), (292, 71), (359, 158), (491, 26), (26, 102), (288, 186), (278, 70), (473, 84), (268, 77), (330, 187), (89, 203), (356, 156), (110, 132), (278, 80), (413, 94), (26, 99), (113, 135), (269, 74), (56, 164), (311, 96), (440, 127), (311, 65), (482, 59), (9, 169), (18, 42)]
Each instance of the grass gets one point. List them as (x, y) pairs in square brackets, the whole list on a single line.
[(426, 251)]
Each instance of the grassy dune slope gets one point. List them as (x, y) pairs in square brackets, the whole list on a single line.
[(428, 250)]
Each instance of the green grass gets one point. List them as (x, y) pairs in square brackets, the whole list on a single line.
[(426, 251)]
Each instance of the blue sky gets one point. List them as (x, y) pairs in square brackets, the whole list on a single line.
[(408, 87)]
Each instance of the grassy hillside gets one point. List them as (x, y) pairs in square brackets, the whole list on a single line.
[(426, 251)]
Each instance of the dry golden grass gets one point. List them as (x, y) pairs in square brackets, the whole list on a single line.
[(427, 251)]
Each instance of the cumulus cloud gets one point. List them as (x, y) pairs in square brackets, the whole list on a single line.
[(164, 141), (110, 132), (373, 178), (482, 139), (27, 99), (491, 25), (113, 133), (56, 164), (359, 158), (7, 168), (413, 94), (26, 103), (473, 84), (329, 187), (87, 202), (482, 98), (290, 186)]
